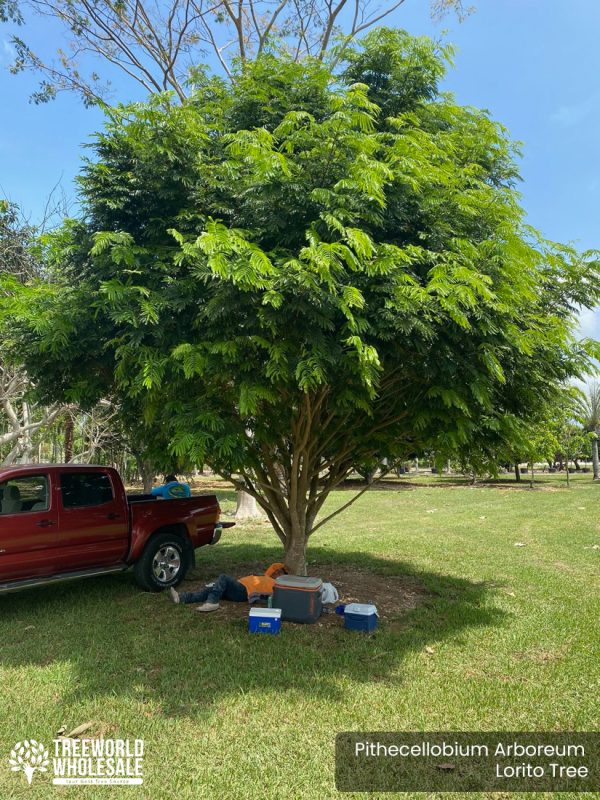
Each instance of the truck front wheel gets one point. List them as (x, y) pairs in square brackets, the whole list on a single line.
[(163, 563)]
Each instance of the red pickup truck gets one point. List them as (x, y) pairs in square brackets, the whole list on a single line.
[(69, 521)]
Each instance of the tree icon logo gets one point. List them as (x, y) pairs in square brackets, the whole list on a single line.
[(27, 757)]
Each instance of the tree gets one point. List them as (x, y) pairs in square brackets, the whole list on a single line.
[(297, 272), (591, 421), (557, 428), (552, 428), (20, 417), (160, 45)]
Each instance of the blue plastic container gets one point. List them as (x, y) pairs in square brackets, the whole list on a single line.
[(360, 617), (264, 620)]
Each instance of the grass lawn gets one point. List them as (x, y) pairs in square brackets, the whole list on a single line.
[(507, 638)]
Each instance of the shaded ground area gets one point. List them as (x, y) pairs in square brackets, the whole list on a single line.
[(393, 595), (103, 643)]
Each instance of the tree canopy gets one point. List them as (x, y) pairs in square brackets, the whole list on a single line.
[(300, 271)]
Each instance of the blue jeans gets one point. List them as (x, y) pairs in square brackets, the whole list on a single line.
[(225, 587)]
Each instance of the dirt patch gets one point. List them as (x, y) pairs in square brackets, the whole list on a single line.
[(543, 656), (394, 595)]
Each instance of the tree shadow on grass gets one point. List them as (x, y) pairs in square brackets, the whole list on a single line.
[(119, 641)]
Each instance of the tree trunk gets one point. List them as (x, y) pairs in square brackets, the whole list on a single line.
[(295, 552), (531, 475), (69, 434), (518, 473), (147, 478), (12, 456), (595, 459), (26, 444), (146, 470), (246, 507)]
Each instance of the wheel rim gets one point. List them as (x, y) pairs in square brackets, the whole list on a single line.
[(166, 563)]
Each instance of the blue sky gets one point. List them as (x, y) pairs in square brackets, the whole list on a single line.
[(533, 63)]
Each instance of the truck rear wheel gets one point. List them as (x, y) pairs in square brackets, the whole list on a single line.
[(163, 563)]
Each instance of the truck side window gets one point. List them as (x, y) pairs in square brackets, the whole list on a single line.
[(21, 495), (80, 489)]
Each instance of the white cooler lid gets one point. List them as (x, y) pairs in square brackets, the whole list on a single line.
[(298, 582), (273, 613), (365, 609)]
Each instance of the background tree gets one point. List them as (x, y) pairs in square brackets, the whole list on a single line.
[(591, 421), (294, 273), (20, 417), (554, 428), (160, 45), (29, 429)]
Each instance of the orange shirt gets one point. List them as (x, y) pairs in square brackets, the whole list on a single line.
[(260, 584)]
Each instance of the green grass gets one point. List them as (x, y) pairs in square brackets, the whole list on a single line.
[(512, 634)]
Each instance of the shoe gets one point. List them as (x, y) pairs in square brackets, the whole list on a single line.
[(208, 607), (174, 595)]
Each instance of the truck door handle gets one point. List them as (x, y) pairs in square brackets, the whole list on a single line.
[(44, 523), (112, 516)]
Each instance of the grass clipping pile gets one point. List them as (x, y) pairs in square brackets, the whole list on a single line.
[(394, 595)]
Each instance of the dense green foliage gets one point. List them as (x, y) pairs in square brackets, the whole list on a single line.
[(299, 271)]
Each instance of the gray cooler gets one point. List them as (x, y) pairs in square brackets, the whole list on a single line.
[(298, 598)]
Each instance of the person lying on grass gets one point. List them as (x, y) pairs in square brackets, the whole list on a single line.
[(226, 587)]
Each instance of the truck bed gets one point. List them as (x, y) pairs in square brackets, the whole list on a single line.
[(197, 513)]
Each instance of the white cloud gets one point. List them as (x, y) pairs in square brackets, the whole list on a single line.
[(576, 113), (589, 323), (8, 51), (589, 328)]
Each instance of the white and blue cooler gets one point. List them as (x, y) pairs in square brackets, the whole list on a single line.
[(360, 617), (264, 620)]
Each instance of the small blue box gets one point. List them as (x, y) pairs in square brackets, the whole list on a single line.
[(360, 617), (264, 620)]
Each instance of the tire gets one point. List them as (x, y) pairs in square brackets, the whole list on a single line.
[(164, 562)]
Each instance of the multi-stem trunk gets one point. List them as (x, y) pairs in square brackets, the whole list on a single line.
[(291, 476)]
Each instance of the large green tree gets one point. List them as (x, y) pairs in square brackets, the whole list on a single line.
[(299, 271)]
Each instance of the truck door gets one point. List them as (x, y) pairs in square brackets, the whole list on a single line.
[(93, 521), (28, 527)]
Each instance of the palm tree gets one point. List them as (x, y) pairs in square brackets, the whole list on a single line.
[(591, 421)]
